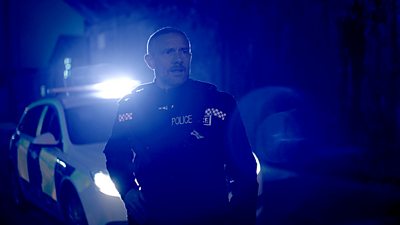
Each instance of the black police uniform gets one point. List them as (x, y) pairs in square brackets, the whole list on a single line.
[(175, 154)]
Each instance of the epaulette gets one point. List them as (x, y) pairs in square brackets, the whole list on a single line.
[(142, 87), (135, 91), (125, 98)]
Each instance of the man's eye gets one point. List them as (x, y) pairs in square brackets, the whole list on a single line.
[(169, 51)]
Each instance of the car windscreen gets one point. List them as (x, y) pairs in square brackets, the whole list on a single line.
[(90, 123)]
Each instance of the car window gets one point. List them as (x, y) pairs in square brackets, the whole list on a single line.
[(51, 123), (90, 123), (30, 120)]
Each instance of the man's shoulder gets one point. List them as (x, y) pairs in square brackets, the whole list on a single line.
[(143, 88), (211, 88), (136, 95), (204, 86), (211, 93)]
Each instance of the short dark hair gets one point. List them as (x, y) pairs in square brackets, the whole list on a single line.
[(162, 31)]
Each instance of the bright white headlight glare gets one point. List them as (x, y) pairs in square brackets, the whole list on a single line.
[(115, 88), (105, 184)]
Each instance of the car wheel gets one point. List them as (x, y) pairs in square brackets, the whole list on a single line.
[(73, 210)]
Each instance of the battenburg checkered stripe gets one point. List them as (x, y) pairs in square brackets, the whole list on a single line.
[(215, 112), (124, 117)]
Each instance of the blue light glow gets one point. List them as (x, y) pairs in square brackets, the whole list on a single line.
[(116, 88)]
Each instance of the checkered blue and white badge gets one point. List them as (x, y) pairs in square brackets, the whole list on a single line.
[(209, 113), (125, 117)]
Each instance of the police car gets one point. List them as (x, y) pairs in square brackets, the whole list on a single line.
[(57, 163)]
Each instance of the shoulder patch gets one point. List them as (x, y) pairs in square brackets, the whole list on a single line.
[(125, 116)]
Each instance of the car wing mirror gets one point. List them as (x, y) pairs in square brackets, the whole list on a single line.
[(45, 139)]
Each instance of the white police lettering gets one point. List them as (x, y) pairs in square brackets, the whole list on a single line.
[(181, 120)]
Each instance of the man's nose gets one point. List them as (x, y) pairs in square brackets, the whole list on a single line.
[(178, 57)]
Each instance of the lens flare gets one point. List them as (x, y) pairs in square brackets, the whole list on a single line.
[(116, 88)]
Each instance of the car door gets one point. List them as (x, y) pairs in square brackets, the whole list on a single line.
[(25, 157), (37, 153), (49, 151)]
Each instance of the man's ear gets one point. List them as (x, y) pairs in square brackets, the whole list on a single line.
[(149, 61)]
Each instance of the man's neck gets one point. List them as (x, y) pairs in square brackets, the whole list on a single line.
[(165, 87)]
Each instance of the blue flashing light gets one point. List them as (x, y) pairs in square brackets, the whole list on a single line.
[(116, 88)]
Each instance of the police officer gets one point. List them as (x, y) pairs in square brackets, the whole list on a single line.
[(178, 153)]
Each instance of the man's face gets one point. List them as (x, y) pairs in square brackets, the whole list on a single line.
[(170, 59)]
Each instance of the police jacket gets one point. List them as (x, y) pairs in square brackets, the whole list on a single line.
[(184, 147)]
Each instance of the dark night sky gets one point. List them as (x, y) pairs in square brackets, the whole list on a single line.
[(35, 28)]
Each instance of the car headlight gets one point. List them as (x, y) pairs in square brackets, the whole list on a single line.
[(105, 184)]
